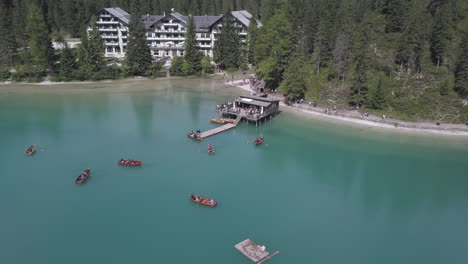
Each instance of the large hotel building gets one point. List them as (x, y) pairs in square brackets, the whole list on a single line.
[(166, 33)]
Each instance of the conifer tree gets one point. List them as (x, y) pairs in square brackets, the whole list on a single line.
[(379, 97), (461, 70), (40, 47), (8, 46), (191, 54), (397, 15), (227, 47), (91, 50), (294, 84), (67, 63), (138, 57), (252, 32), (440, 35), (359, 87)]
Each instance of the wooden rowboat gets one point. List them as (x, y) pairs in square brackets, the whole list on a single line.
[(203, 201), (222, 120), (31, 150)]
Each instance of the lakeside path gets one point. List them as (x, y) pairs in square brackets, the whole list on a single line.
[(356, 117)]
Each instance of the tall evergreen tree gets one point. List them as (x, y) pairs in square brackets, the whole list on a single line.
[(397, 15), (67, 63), (40, 47), (138, 57), (252, 35), (191, 54), (8, 45), (379, 97), (359, 87), (91, 50), (461, 70), (294, 84), (440, 35), (227, 47)]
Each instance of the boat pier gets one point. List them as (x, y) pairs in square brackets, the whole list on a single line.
[(220, 129), (249, 108), (254, 109), (254, 252)]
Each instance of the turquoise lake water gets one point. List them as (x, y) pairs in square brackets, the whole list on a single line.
[(316, 191)]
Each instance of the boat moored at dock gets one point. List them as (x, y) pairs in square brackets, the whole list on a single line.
[(194, 136)]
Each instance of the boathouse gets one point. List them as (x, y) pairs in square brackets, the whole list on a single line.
[(251, 108)]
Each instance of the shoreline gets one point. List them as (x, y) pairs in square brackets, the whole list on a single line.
[(353, 118), (344, 117)]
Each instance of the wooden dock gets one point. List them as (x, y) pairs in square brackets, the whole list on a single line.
[(220, 129), (254, 252)]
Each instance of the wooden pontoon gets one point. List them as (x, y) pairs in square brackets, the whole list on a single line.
[(254, 252)]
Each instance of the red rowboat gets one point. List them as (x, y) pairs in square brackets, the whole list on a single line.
[(203, 200), (129, 162), (194, 136), (31, 150), (258, 141), (211, 150), (83, 176)]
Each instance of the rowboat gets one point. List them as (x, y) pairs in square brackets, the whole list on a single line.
[(31, 150), (194, 136), (222, 120), (258, 141), (203, 201), (129, 163), (211, 150), (83, 176)]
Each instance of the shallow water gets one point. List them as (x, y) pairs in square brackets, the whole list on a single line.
[(318, 192)]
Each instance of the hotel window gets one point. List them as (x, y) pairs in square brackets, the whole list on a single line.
[(109, 49)]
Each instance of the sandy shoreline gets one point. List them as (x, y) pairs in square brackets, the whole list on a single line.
[(403, 126)]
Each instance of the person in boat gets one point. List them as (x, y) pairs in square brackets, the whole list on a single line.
[(192, 196), (211, 201)]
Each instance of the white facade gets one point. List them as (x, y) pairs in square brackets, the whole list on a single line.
[(166, 33)]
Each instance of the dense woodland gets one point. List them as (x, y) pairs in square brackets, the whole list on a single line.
[(405, 58)]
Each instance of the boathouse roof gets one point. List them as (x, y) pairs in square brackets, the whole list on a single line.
[(256, 100)]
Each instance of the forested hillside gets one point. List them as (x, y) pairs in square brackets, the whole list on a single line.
[(405, 58)]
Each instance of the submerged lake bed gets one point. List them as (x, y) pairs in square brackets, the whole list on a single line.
[(318, 192)]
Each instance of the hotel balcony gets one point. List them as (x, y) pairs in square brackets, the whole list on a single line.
[(171, 24), (112, 43), (204, 39), (102, 15), (107, 22), (166, 38), (109, 36), (204, 45), (108, 29), (169, 31), (124, 37)]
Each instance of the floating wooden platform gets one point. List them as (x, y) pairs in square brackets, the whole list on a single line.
[(253, 251), (223, 120), (220, 129)]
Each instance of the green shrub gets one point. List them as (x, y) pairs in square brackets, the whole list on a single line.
[(108, 73), (155, 71), (28, 74), (4, 75), (207, 67), (178, 67)]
